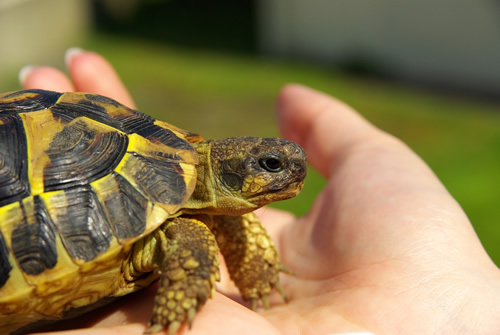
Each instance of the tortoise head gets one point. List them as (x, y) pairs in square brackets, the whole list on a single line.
[(240, 174)]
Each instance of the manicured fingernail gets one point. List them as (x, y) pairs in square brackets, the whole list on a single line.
[(24, 73), (71, 53)]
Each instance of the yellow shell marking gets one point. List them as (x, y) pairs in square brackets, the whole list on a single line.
[(41, 128)]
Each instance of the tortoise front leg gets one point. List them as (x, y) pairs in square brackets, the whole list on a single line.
[(189, 270), (251, 256)]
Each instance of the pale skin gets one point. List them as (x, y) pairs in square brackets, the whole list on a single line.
[(385, 247)]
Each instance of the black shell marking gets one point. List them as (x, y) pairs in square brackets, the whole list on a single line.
[(67, 112), (79, 155), (5, 266), (13, 160), (82, 223), (125, 208), (160, 180), (40, 100), (156, 133), (101, 99), (34, 239)]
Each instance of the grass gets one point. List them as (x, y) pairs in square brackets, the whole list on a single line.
[(222, 95)]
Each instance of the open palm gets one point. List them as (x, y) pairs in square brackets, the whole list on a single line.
[(384, 249)]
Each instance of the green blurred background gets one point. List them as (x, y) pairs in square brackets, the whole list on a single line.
[(216, 68)]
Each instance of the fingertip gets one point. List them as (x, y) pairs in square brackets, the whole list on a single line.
[(43, 77), (70, 54), (296, 94), (91, 72), (297, 106), (77, 58), (24, 73), (291, 90), (288, 97)]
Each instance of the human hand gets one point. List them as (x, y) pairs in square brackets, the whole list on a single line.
[(385, 248)]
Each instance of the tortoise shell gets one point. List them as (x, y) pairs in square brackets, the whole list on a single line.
[(82, 178)]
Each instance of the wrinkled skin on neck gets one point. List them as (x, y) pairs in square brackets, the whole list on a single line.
[(240, 174)]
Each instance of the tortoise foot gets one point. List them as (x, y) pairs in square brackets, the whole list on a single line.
[(251, 257), (188, 275)]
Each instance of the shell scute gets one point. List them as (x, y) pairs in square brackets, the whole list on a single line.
[(28, 101), (83, 226), (125, 207), (81, 153), (33, 238)]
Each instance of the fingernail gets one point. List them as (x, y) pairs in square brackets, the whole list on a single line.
[(71, 53), (353, 333), (24, 73)]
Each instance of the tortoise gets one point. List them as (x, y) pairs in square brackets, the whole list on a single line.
[(98, 200)]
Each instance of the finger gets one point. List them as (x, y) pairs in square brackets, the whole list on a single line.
[(44, 77), (92, 73)]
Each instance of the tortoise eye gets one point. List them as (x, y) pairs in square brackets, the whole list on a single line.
[(271, 164)]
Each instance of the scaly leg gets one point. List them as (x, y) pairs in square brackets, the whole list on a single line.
[(189, 269), (251, 256)]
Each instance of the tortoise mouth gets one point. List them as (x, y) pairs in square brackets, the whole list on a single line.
[(292, 190), (265, 198), (290, 186)]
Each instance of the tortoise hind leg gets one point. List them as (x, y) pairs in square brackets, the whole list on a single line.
[(188, 274)]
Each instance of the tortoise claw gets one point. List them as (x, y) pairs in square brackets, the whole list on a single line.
[(265, 301), (253, 304), (174, 327), (265, 298), (286, 270), (281, 291), (190, 316), (154, 329)]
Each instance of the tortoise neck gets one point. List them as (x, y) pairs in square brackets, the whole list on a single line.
[(211, 195)]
